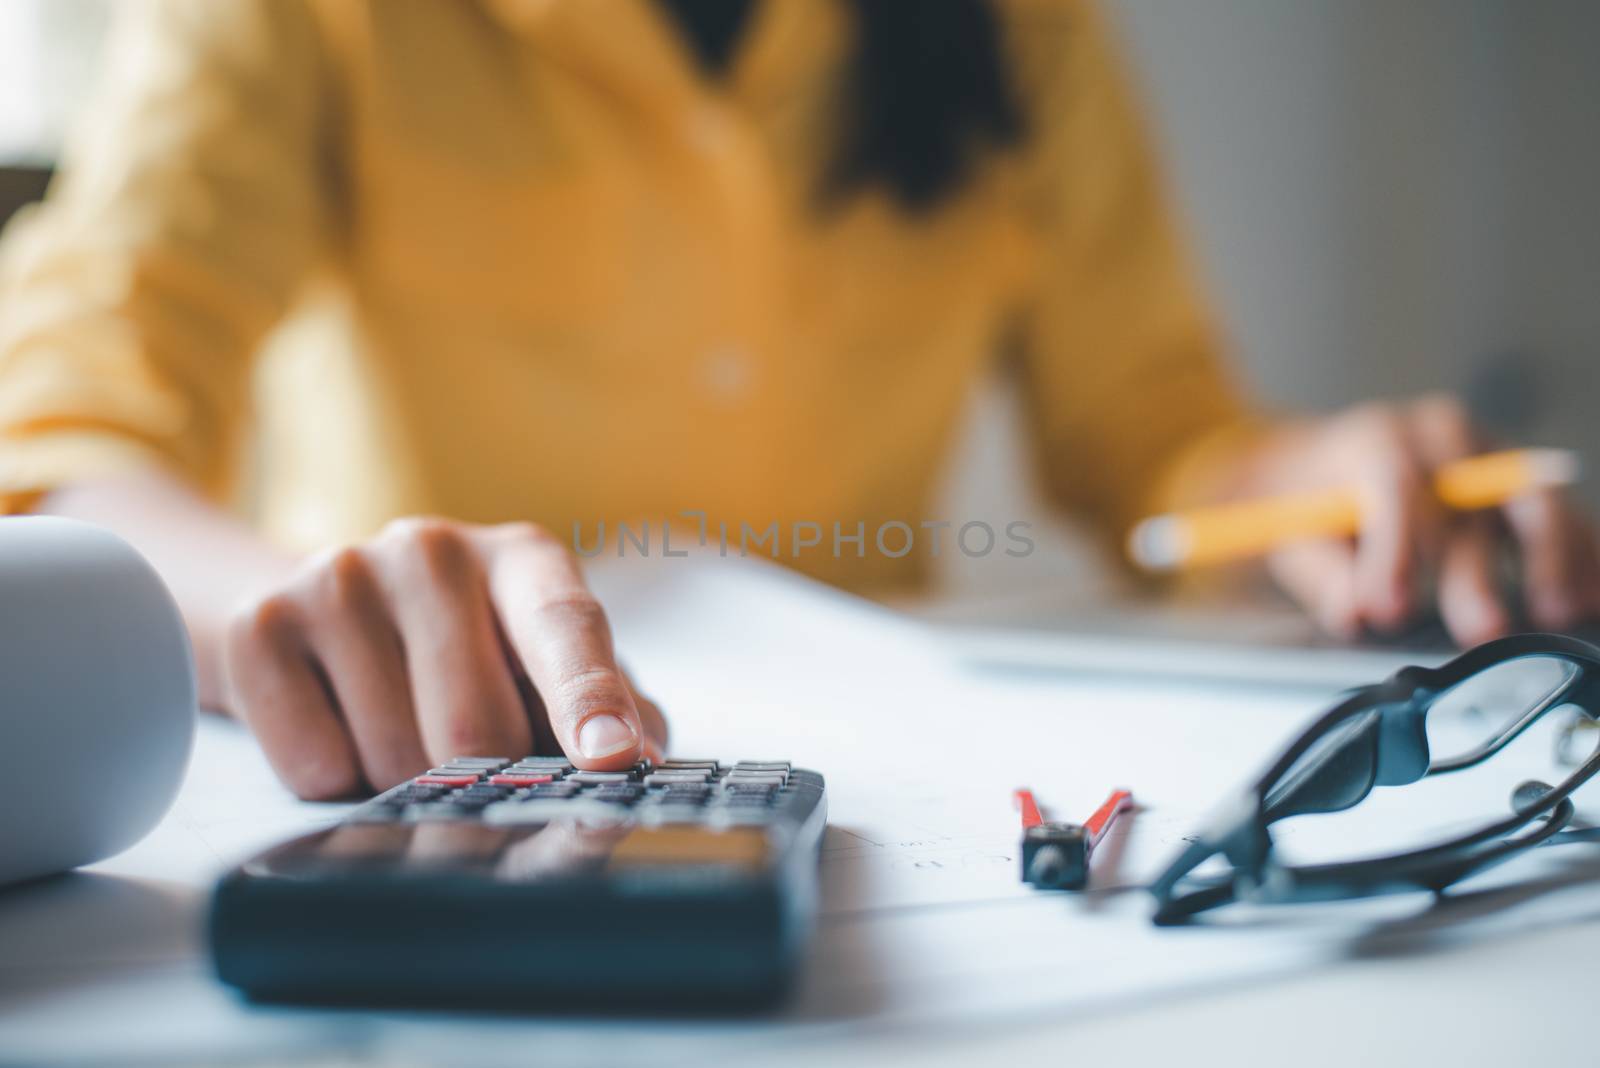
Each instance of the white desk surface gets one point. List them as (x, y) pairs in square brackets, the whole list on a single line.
[(928, 946)]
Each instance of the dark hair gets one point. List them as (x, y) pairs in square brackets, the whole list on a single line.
[(928, 93), (929, 96)]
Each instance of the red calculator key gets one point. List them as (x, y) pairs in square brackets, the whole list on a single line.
[(520, 780), (447, 780)]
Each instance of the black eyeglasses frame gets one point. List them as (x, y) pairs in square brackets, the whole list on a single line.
[(1388, 748)]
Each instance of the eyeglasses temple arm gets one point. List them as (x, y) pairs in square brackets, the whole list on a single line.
[(1191, 858)]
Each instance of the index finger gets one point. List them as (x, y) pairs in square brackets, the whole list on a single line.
[(1395, 535), (559, 632)]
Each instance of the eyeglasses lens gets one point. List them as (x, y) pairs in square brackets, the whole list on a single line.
[(1514, 711), (1495, 703)]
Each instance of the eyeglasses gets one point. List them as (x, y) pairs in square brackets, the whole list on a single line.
[(1420, 723)]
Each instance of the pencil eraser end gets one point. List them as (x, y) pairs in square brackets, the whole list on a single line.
[(1555, 467), (1159, 543)]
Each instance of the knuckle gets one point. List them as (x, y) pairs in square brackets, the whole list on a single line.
[(1446, 408), (437, 545), (1555, 613), (406, 527), (1392, 438), (346, 580), (578, 612), (1447, 418), (1383, 426), (348, 564), (267, 621), (1376, 437), (417, 530), (583, 689), (1372, 418), (321, 777), (526, 533), (471, 735), (1338, 618)]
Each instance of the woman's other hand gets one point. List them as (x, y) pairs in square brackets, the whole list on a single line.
[(1411, 549)]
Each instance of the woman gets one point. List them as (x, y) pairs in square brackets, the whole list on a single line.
[(611, 259)]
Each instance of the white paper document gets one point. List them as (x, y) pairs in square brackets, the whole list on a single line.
[(925, 924)]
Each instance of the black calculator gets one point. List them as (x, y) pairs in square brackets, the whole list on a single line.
[(531, 884)]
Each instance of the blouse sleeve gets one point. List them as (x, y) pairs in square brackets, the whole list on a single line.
[(1130, 397), (184, 216)]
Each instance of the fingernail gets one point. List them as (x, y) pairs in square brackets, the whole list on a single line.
[(603, 735)]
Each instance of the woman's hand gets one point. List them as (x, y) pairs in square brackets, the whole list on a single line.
[(435, 639), (1410, 548)]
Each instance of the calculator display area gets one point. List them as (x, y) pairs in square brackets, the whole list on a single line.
[(527, 853)]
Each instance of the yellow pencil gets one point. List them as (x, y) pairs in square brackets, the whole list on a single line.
[(1225, 532)]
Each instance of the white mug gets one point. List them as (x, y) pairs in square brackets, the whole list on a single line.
[(97, 696)]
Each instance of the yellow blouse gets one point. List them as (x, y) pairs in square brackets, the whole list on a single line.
[(534, 265)]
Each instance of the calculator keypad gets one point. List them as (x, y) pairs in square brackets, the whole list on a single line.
[(540, 789)]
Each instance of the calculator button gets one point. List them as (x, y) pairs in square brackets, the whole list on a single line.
[(664, 778), (691, 765), (479, 762), (736, 779), (447, 780), (762, 765), (594, 778), (507, 778), (411, 789), (544, 762)]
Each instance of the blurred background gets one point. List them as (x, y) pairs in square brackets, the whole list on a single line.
[(1386, 198)]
